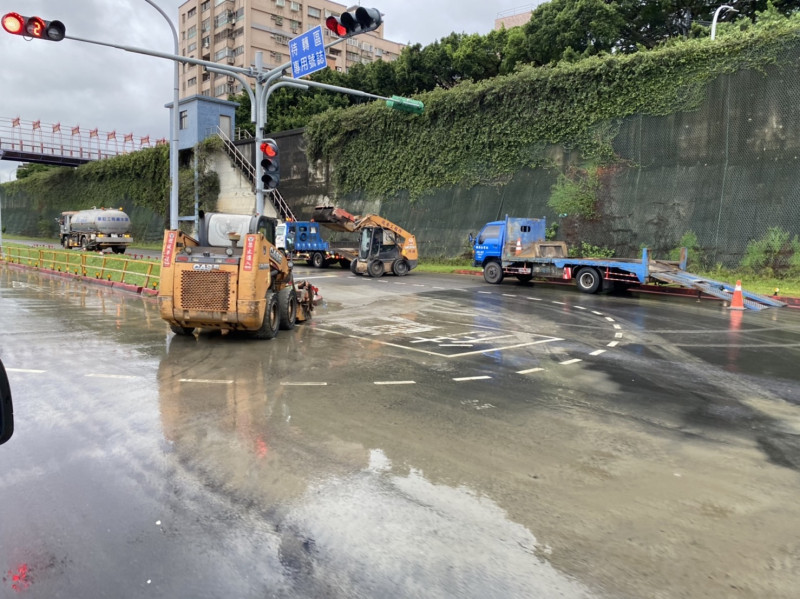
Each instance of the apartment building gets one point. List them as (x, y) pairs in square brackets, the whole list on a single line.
[(232, 31)]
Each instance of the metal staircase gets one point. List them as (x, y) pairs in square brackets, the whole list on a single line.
[(718, 289), (239, 161)]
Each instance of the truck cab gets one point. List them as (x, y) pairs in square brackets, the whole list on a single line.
[(506, 238)]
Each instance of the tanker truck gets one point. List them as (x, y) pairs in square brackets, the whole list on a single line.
[(95, 229)]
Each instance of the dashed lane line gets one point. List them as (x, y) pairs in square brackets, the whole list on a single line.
[(471, 378), (568, 362), (26, 370), (530, 370), (395, 382), (303, 384), (207, 381)]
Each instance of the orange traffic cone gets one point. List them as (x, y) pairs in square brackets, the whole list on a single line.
[(519, 246), (737, 303)]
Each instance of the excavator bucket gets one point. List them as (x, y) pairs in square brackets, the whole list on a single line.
[(334, 218)]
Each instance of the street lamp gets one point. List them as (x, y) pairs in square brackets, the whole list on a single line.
[(173, 143), (716, 15)]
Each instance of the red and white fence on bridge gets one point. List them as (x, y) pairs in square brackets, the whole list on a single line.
[(66, 141)]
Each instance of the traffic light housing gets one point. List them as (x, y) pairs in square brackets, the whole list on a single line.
[(361, 20), (270, 164), (37, 27)]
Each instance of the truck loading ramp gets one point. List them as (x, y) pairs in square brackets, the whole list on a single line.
[(717, 289)]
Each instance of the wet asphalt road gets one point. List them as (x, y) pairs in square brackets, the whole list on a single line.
[(430, 436)]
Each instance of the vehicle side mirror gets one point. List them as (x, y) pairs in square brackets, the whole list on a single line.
[(471, 239), (6, 409), (289, 243)]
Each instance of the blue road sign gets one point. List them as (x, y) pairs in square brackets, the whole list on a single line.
[(307, 52)]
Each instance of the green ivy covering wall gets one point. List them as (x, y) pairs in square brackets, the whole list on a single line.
[(479, 133), (137, 182)]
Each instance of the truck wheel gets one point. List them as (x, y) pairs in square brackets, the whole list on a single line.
[(493, 273), (375, 268), (317, 260), (400, 267), (118, 249), (287, 307), (179, 330), (354, 266), (588, 280), (65, 242), (269, 327)]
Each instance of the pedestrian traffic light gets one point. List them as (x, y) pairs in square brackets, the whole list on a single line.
[(37, 27), (349, 23), (270, 163)]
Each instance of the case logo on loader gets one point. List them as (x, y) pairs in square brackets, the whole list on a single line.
[(205, 267), (276, 256)]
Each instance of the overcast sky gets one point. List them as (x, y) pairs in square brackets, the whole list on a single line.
[(75, 83)]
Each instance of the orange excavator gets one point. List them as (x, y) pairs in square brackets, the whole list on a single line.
[(383, 247)]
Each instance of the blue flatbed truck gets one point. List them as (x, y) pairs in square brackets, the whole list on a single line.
[(517, 247)]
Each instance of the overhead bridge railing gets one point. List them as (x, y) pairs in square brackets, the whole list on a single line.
[(718, 289), (137, 272)]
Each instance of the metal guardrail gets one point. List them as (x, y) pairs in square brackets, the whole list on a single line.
[(138, 272)]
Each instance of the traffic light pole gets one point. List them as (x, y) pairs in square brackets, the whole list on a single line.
[(265, 83)]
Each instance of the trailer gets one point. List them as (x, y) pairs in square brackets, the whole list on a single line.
[(517, 247)]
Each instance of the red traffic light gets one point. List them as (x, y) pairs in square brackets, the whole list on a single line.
[(353, 23), (37, 27), (14, 23), (269, 149), (270, 164)]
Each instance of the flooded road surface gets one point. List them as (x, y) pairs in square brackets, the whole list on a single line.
[(422, 437)]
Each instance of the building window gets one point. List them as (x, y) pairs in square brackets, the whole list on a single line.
[(206, 25), (192, 12), (280, 3), (192, 48), (206, 42), (220, 90), (192, 33), (220, 54), (314, 13), (296, 6), (238, 50), (218, 2), (184, 115), (205, 5), (192, 81), (239, 14), (281, 39)]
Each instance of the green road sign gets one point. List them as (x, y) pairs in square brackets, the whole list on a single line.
[(406, 104)]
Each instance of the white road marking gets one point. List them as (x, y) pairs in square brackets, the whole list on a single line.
[(573, 361), (596, 312), (530, 370), (535, 299), (618, 335), (485, 292), (419, 285), (617, 326), (303, 384), (395, 382), (471, 378), (26, 370), (456, 345), (609, 319), (580, 308), (613, 344), (439, 288), (110, 376), (509, 295), (559, 303), (209, 381), (597, 352)]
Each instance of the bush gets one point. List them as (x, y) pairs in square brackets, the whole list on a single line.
[(776, 254)]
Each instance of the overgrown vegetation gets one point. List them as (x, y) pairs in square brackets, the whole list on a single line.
[(478, 132)]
